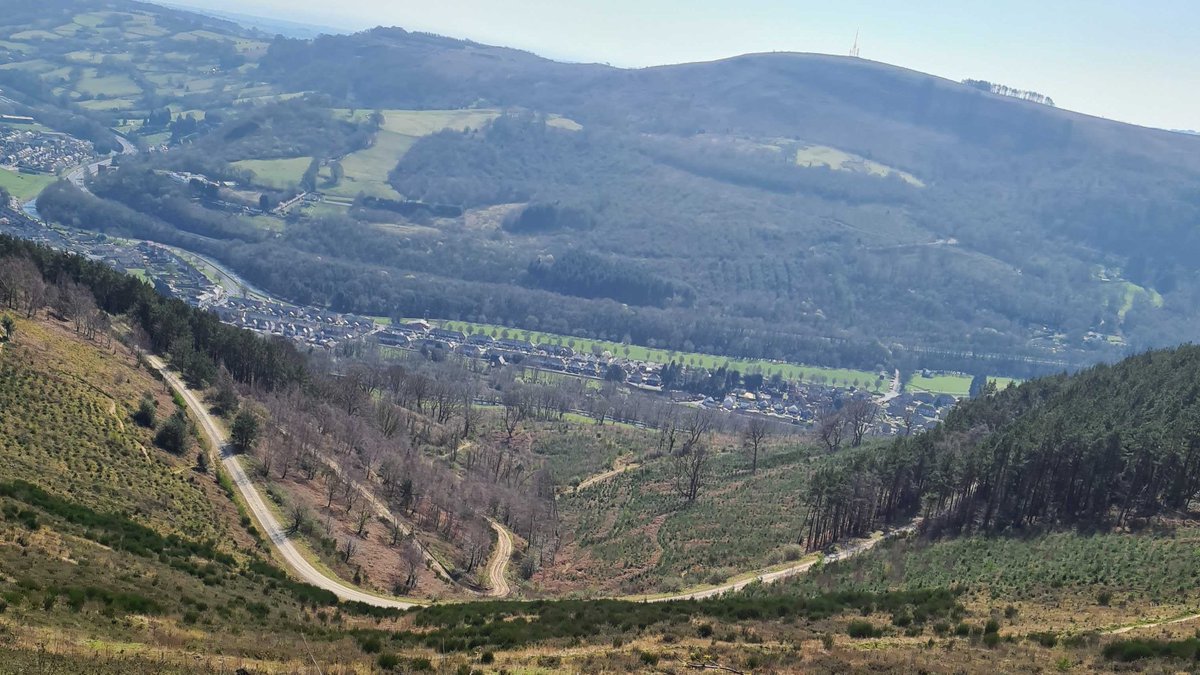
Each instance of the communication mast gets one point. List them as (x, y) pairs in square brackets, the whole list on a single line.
[(854, 49)]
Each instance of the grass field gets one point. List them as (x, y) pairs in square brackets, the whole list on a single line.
[(35, 35), (95, 58), (560, 122), (40, 66), (633, 533), (276, 173), (1129, 293), (112, 86), (576, 448), (419, 123), (109, 104), (838, 160), (1003, 382), (366, 171), (15, 46), (941, 383), (24, 186), (789, 371)]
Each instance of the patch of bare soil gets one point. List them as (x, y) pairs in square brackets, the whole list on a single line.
[(378, 564)]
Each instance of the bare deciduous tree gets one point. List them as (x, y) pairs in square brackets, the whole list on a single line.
[(860, 414), (514, 411), (410, 562), (830, 428), (691, 468), (362, 518), (755, 434), (349, 547), (333, 483), (298, 519)]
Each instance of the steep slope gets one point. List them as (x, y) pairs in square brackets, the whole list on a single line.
[(897, 114), (1111, 446), (1047, 220), (787, 206), (114, 549)]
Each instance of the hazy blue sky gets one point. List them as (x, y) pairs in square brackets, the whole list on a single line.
[(1133, 61)]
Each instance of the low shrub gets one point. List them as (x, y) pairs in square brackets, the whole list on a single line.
[(1045, 639), (1138, 649), (862, 629)]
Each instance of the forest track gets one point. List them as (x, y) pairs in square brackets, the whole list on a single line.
[(274, 531), (1126, 629), (497, 566), (771, 576), (382, 510), (607, 475)]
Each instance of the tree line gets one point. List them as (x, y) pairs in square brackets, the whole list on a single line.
[(1106, 446), (193, 338)]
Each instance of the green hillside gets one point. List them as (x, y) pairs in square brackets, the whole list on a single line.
[(740, 217), (1114, 445), (167, 569), (113, 549), (789, 207)]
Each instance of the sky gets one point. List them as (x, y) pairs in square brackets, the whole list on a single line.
[(1131, 61)]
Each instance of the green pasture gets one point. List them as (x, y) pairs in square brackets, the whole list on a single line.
[(24, 186), (276, 173), (788, 371)]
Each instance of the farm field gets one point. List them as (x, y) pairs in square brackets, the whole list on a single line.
[(111, 86), (839, 160), (109, 104), (85, 60), (788, 371), (276, 173), (941, 383), (366, 171), (1129, 293), (24, 186), (1003, 382)]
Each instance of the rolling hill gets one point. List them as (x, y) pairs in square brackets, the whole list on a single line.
[(790, 206), (123, 551)]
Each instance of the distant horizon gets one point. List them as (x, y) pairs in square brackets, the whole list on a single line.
[(1104, 59)]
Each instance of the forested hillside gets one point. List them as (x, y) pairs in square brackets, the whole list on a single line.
[(1013, 223), (1106, 447), (785, 206), (103, 570)]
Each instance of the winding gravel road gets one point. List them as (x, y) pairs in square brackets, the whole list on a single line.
[(497, 567), (266, 520), (777, 575), (498, 562)]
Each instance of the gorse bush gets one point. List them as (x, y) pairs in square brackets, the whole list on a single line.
[(1138, 648), (113, 530), (174, 435), (508, 624), (146, 412), (862, 629)]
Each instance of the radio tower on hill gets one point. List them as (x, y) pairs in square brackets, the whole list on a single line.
[(854, 49)]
